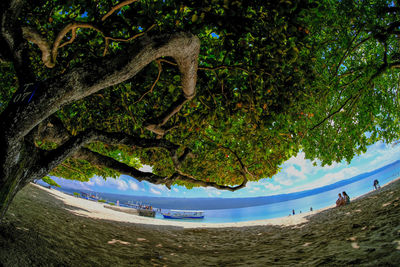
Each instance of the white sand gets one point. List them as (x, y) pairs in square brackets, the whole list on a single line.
[(96, 210)]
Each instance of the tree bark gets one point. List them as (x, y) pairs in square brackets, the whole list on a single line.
[(30, 113)]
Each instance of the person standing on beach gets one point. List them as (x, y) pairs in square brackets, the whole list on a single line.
[(293, 212), (376, 184)]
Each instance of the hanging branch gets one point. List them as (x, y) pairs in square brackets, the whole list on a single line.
[(154, 83), (333, 113), (49, 55)]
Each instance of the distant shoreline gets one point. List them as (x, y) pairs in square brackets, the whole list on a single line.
[(96, 210)]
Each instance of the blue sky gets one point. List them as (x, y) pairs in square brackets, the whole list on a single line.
[(297, 174)]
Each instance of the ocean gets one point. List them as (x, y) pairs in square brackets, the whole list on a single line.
[(259, 208)]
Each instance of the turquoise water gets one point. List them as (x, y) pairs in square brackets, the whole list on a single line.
[(283, 209)]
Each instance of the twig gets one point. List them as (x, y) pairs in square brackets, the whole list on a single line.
[(116, 7), (107, 38), (154, 83)]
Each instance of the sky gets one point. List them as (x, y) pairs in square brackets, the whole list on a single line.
[(297, 174)]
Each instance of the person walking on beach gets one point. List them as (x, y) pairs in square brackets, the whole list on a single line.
[(346, 198), (376, 184), (340, 201)]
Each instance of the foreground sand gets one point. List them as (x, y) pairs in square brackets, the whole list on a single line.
[(96, 210), (41, 229)]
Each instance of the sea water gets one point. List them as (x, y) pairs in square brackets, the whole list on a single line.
[(300, 205), (282, 208)]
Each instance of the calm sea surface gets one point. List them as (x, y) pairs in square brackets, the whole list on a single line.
[(284, 208)]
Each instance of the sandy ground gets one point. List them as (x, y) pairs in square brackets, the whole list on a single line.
[(42, 228), (98, 211)]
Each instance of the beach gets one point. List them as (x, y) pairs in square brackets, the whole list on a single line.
[(47, 227), (96, 210)]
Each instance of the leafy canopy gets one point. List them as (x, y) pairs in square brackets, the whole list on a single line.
[(274, 77)]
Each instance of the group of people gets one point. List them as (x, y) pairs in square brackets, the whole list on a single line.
[(343, 199)]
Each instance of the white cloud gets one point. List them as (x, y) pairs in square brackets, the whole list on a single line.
[(152, 190), (328, 178), (272, 187), (292, 171), (134, 186), (98, 180), (160, 187), (212, 192), (121, 184), (384, 154), (146, 168), (175, 189), (283, 180), (298, 169)]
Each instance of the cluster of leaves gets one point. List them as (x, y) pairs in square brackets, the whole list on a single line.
[(274, 77), (357, 90), (50, 181)]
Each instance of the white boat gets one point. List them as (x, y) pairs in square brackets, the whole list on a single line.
[(183, 214)]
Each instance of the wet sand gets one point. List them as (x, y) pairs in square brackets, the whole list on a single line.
[(44, 229)]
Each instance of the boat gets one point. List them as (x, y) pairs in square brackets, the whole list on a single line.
[(183, 214)]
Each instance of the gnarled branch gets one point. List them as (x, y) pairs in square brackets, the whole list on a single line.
[(49, 56), (104, 161), (94, 76), (74, 148)]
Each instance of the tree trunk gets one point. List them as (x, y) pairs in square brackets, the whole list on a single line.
[(16, 170)]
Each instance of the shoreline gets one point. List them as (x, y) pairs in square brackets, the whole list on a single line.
[(95, 210), (41, 229)]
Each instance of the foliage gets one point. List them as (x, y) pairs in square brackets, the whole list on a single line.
[(274, 78), (77, 194), (50, 181), (101, 201), (357, 61)]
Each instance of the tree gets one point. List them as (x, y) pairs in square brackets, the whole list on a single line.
[(216, 93), (357, 65)]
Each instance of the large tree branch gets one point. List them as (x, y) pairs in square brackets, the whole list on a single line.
[(104, 161), (74, 148), (105, 72), (52, 158), (100, 160)]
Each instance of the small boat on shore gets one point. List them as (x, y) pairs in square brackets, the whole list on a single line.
[(183, 214)]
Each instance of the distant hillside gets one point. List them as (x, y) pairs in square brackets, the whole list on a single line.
[(229, 203)]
